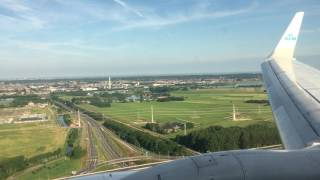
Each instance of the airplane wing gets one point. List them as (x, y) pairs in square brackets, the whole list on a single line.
[(294, 91)]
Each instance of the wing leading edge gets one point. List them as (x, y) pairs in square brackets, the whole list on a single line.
[(295, 109)]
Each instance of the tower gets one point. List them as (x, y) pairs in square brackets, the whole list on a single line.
[(109, 83)]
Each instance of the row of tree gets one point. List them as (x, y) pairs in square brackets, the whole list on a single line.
[(170, 98), (167, 127), (258, 101), (95, 101), (20, 101), (72, 93), (9, 166), (217, 138), (118, 97), (146, 140)]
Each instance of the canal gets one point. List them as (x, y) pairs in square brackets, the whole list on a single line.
[(61, 121)]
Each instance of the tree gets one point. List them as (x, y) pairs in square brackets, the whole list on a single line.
[(217, 138)]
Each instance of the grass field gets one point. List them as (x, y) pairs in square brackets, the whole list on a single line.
[(202, 107), (58, 168), (30, 139)]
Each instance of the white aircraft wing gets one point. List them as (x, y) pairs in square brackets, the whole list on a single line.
[(294, 91)]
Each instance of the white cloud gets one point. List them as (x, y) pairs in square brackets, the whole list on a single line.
[(14, 5), (199, 13), (126, 6), (20, 14), (117, 13)]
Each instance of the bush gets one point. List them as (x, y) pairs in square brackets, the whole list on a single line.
[(154, 127), (260, 101), (170, 98), (67, 119)]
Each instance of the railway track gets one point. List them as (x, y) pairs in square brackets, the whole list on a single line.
[(92, 158), (107, 141), (110, 151)]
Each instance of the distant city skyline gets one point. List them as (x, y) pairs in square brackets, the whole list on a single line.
[(58, 38)]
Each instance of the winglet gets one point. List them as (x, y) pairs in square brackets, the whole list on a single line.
[(284, 51)]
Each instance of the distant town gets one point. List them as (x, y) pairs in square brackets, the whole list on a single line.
[(125, 84)]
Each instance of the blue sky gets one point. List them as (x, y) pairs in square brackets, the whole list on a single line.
[(56, 38)]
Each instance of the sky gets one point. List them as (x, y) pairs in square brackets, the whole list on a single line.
[(80, 38)]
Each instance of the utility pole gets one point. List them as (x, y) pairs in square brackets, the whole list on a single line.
[(152, 120), (234, 118), (79, 121)]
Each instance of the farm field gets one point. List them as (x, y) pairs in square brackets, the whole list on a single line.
[(204, 108), (30, 139), (55, 169)]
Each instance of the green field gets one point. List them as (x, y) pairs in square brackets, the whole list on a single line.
[(30, 139), (55, 169), (202, 107)]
